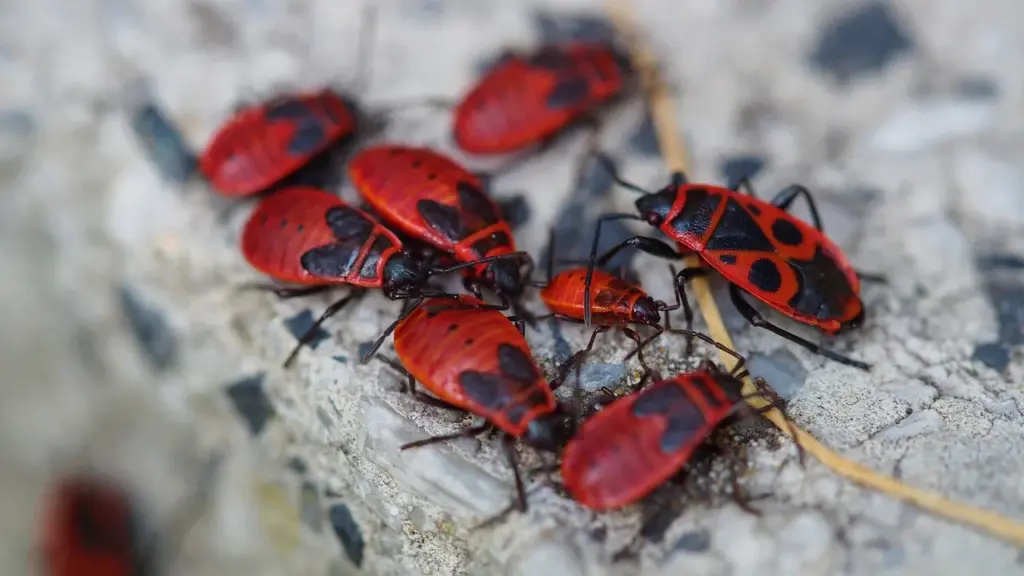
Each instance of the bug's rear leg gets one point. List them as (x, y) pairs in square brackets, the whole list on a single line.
[(309, 334), (467, 433), (285, 292), (785, 197), (755, 318), (410, 386), (639, 352), (577, 358)]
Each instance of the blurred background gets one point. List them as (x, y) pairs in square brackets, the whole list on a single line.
[(127, 351)]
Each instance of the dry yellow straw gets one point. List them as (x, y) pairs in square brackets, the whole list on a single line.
[(676, 159)]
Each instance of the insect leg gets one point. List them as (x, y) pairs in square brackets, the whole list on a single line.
[(639, 351), (509, 447), (755, 318), (588, 292), (410, 385), (577, 358), (387, 331), (742, 184), (309, 334), (285, 293), (652, 246), (468, 432), (787, 195)]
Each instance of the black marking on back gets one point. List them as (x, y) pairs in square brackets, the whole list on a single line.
[(490, 391), (698, 208), (347, 223), (786, 232), (737, 230), (685, 419), (490, 242), (369, 267), (333, 260), (442, 218), (478, 212), (495, 392), (570, 92), (516, 364), (309, 134), (823, 289), (727, 259), (765, 275)]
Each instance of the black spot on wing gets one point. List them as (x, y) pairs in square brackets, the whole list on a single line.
[(516, 364), (683, 417), (727, 259), (478, 211), (442, 218), (765, 275), (570, 92), (347, 223), (369, 268), (333, 260), (698, 208), (737, 230), (489, 391), (786, 232), (309, 135), (824, 290)]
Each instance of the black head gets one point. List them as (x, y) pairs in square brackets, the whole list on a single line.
[(655, 208), (403, 272), (731, 385), (646, 311), (551, 431), (506, 276)]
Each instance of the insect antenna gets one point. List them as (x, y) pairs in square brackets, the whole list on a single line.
[(609, 166)]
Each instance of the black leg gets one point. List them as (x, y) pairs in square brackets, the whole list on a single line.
[(410, 386), (467, 433), (872, 278), (284, 292), (509, 447), (639, 351), (755, 318), (774, 402), (331, 310), (787, 195), (680, 280), (593, 256), (652, 246), (387, 331), (743, 184), (577, 358)]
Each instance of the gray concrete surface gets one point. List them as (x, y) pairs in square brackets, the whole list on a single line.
[(127, 348)]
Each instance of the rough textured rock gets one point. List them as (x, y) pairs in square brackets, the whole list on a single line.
[(127, 347)]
